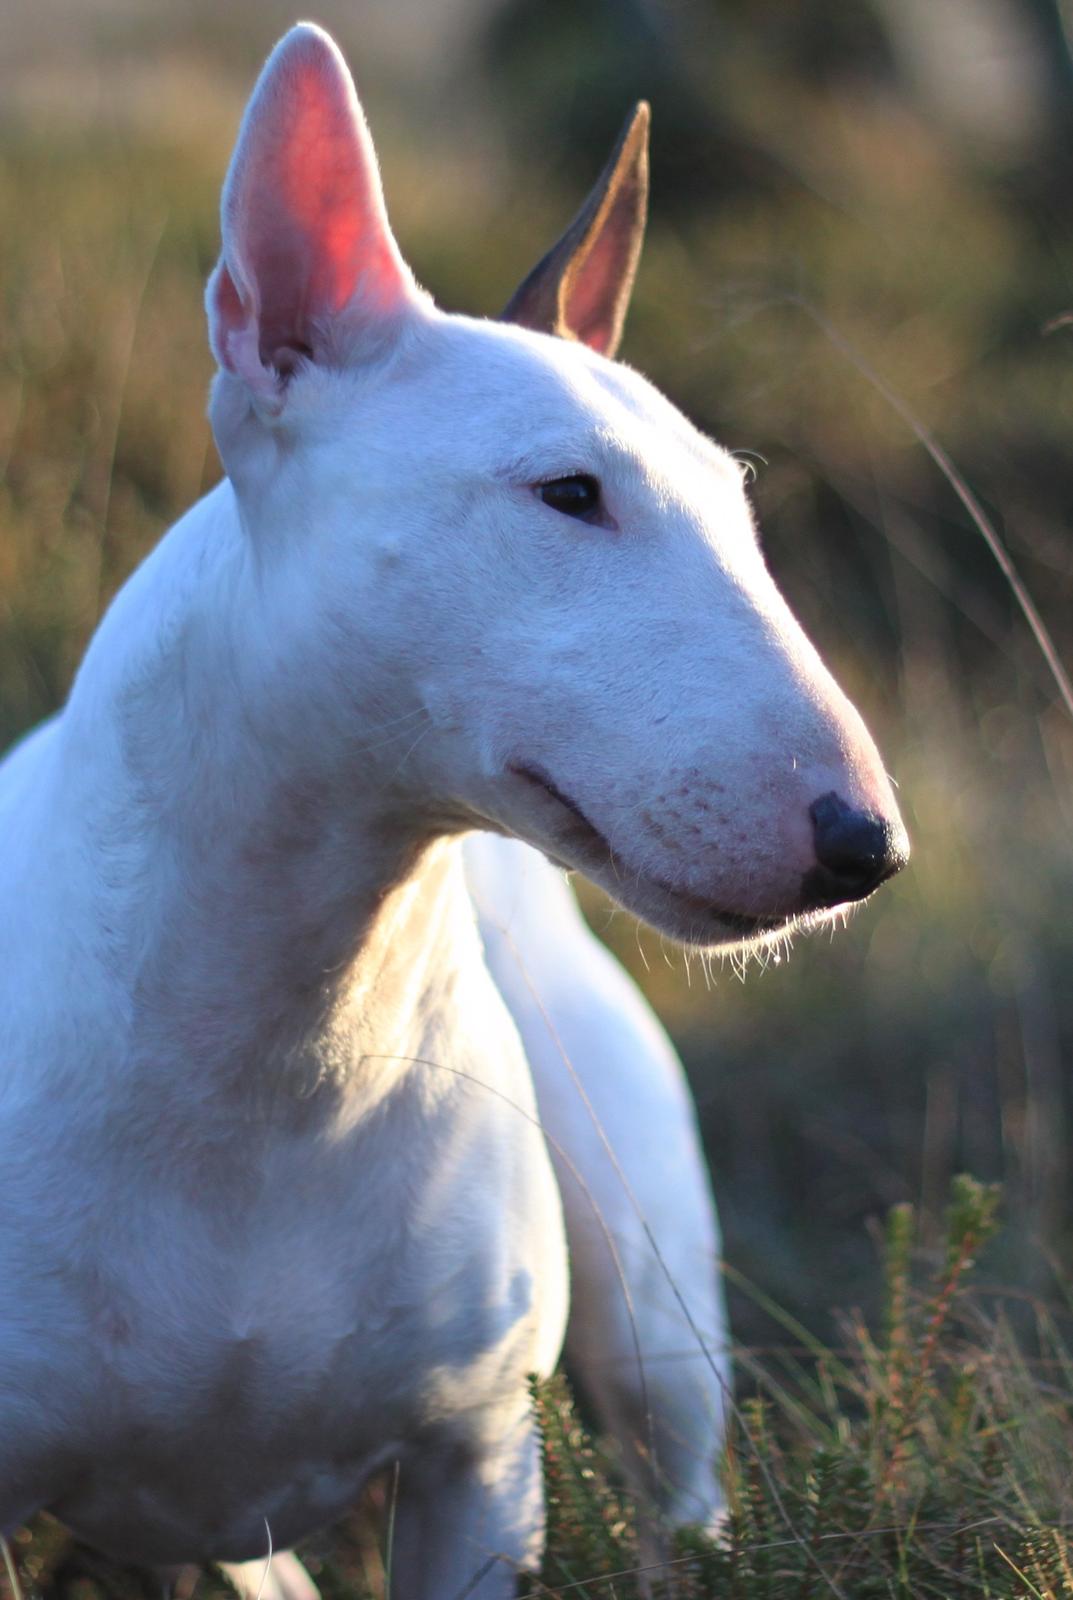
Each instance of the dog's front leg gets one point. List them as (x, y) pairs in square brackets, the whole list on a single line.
[(468, 1520)]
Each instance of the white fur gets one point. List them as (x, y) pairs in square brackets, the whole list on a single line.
[(277, 1210)]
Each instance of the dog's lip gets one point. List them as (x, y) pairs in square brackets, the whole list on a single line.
[(743, 924)]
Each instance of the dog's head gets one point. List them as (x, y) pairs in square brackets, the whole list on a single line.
[(492, 536)]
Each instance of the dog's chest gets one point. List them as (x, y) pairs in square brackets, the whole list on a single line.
[(276, 1405), (257, 1357)]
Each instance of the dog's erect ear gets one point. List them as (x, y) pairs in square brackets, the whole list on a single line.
[(582, 287), (308, 260)]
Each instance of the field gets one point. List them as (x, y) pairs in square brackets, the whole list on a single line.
[(823, 218)]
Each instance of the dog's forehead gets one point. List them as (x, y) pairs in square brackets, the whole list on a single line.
[(523, 390)]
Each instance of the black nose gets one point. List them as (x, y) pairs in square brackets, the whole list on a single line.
[(856, 852)]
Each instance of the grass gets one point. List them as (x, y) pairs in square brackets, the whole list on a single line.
[(925, 1458)]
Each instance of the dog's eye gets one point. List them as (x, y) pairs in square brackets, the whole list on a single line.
[(578, 496)]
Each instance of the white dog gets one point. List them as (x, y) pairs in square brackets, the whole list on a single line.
[(277, 1210)]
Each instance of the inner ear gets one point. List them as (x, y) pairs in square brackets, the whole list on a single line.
[(581, 289), (308, 257), (286, 358)]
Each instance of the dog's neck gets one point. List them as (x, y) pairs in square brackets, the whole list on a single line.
[(265, 904)]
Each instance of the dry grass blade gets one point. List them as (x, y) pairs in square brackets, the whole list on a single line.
[(981, 521), (12, 1570)]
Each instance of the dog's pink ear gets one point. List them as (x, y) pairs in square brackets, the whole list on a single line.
[(308, 257), (581, 289)]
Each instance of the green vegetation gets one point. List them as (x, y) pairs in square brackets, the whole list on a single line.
[(927, 1461)]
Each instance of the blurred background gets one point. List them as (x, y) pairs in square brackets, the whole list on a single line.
[(899, 171)]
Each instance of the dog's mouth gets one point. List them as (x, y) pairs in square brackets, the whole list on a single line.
[(580, 837)]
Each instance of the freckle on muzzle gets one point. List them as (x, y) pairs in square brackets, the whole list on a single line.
[(856, 851)]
